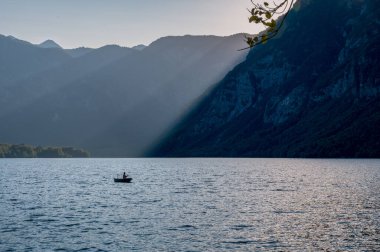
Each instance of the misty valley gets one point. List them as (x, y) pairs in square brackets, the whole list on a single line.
[(111, 101)]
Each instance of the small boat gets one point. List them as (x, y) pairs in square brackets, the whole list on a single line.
[(121, 180)]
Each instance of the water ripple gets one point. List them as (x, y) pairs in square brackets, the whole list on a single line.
[(190, 205)]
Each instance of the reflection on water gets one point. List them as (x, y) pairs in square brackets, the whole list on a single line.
[(190, 204)]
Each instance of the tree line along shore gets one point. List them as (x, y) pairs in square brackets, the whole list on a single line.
[(29, 151)]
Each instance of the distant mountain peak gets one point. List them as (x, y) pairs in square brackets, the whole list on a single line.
[(139, 47), (11, 37), (49, 44)]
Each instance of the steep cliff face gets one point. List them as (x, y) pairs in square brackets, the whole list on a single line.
[(314, 91)]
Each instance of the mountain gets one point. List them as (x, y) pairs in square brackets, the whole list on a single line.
[(49, 44), (116, 101), (20, 59), (139, 47), (313, 91), (78, 52), (28, 90)]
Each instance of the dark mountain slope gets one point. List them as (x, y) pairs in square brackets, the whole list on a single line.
[(314, 91)]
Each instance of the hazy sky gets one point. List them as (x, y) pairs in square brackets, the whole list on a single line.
[(94, 23)]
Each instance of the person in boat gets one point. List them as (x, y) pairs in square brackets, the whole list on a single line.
[(124, 176)]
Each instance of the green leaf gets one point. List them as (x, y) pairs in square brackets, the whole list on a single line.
[(272, 23), (250, 42), (264, 38)]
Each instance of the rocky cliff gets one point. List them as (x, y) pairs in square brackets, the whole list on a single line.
[(313, 91)]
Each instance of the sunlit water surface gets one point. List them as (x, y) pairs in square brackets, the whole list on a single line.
[(190, 205)]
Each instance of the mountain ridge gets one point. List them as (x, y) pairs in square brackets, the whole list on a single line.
[(20, 59), (110, 100)]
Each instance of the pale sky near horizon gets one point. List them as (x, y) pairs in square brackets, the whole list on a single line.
[(94, 23)]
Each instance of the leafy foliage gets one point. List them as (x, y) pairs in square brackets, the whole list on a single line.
[(28, 151), (265, 15)]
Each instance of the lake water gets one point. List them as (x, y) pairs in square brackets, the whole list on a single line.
[(190, 205)]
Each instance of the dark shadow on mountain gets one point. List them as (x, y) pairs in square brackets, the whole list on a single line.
[(314, 91)]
